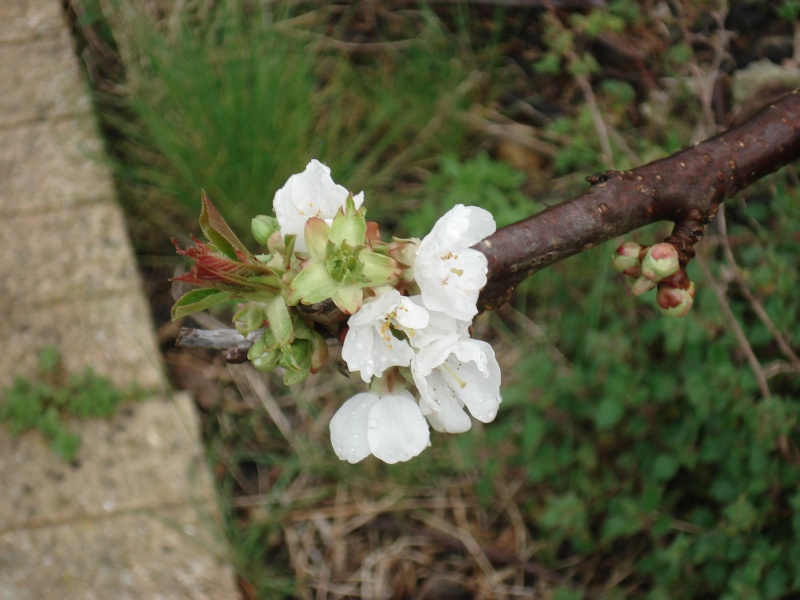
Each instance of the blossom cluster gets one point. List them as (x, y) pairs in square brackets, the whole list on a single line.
[(410, 303), (656, 266)]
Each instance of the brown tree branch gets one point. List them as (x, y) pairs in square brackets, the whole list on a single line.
[(685, 188)]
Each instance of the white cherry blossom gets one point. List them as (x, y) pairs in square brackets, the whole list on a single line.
[(453, 372), (450, 274), (371, 345), (389, 426), (312, 193)]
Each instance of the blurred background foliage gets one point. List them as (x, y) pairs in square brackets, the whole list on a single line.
[(634, 456)]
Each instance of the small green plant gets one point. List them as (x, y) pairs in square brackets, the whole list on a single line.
[(45, 402), (496, 183)]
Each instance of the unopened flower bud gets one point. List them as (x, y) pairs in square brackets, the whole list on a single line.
[(626, 257), (640, 285), (634, 271), (263, 226), (675, 302), (660, 261)]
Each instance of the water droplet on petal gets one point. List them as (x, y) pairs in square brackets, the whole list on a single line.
[(373, 423)]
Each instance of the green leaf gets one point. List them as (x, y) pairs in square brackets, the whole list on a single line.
[(197, 300), (609, 412), (218, 232)]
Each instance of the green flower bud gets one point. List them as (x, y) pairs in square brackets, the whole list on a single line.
[(675, 302), (626, 258), (660, 261), (263, 226), (262, 356), (641, 285), (249, 318)]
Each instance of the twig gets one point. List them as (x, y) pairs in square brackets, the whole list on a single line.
[(757, 307), (744, 345)]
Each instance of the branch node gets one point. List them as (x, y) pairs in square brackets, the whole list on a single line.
[(687, 232), (599, 178)]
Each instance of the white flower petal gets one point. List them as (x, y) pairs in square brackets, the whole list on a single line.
[(449, 273), (440, 324), (396, 429), (456, 371), (371, 345), (460, 227), (366, 352), (375, 309), (452, 283), (475, 366), (411, 315), (349, 428), (312, 193), (440, 405), (433, 354)]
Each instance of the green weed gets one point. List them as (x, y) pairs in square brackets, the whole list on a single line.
[(46, 402)]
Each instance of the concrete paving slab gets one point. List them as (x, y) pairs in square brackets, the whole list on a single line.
[(40, 79), (78, 251), (52, 164), (147, 455), (25, 19), (131, 518), (131, 556), (111, 333)]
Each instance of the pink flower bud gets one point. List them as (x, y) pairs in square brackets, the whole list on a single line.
[(640, 285), (675, 302), (660, 261), (626, 257)]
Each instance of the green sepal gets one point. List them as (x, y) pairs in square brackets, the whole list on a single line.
[(280, 322), (378, 268), (311, 285), (296, 359), (349, 225), (316, 233), (348, 298), (319, 352), (197, 300), (218, 232)]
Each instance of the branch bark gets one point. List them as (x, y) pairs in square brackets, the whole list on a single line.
[(685, 188)]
